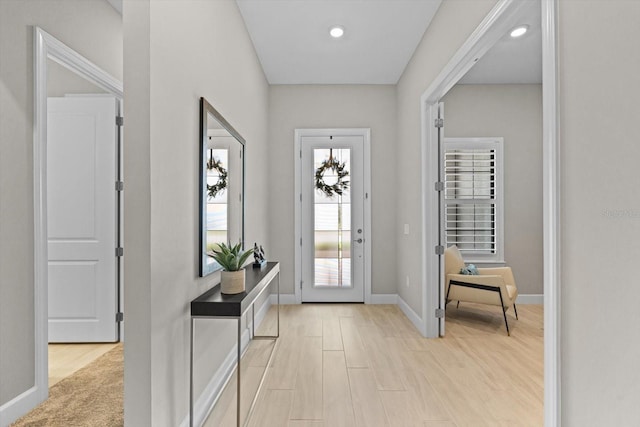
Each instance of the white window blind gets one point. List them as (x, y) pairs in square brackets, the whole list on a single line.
[(473, 197)]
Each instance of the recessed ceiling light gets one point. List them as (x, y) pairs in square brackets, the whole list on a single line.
[(336, 31), (519, 31)]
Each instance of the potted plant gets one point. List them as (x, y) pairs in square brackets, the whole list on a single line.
[(231, 258)]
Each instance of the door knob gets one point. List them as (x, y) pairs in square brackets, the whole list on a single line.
[(358, 240)]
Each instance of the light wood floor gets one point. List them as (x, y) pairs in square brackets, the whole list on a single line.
[(366, 365), (65, 359)]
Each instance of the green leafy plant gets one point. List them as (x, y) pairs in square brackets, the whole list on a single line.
[(231, 258)]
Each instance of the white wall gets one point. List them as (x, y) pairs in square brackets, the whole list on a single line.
[(450, 27), (515, 113), (599, 63), (333, 106), (93, 29), (175, 52)]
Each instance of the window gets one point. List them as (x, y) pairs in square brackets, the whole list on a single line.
[(473, 197)]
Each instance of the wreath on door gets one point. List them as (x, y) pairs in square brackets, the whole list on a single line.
[(338, 169), (221, 184)]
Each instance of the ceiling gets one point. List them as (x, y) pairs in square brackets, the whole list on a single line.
[(513, 61), (291, 38), (292, 41)]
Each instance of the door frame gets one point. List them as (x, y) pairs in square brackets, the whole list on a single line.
[(48, 47), (501, 18), (365, 133)]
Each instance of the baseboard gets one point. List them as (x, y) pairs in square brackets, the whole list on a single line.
[(284, 299), (412, 316), (384, 299), (204, 404), (20, 405), (530, 299)]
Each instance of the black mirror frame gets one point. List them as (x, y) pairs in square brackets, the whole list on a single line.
[(205, 109)]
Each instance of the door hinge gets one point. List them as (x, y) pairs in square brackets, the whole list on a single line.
[(119, 316), (300, 197), (301, 241), (119, 121), (438, 123), (439, 186), (119, 252), (300, 153), (439, 249), (119, 185), (300, 284), (439, 313)]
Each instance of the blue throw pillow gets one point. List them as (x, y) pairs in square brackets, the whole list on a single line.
[(469, 270)]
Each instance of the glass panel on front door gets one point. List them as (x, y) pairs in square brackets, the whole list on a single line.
[(332, 218)]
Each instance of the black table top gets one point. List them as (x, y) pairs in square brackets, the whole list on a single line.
[(213, 303)]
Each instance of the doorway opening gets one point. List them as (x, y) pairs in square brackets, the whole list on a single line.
[(65, 84), (502, 18)]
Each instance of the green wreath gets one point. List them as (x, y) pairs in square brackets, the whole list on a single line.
[(221, 184), (339, 169)]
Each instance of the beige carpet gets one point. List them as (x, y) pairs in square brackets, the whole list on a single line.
[(93, 396)]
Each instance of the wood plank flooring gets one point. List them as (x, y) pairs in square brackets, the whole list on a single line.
[(366, 365), (65, 359)]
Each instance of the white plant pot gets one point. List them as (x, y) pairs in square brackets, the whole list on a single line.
[(232, 282)]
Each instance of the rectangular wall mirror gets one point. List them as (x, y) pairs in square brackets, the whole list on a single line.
[(221, 186)]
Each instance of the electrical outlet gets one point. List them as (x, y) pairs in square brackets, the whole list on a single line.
[(406, 229), (407, 281)]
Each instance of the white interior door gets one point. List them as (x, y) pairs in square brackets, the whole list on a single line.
[(333, 227), (82, 218)]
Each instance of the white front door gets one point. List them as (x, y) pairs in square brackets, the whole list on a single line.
[(333, 227), (82, 218)]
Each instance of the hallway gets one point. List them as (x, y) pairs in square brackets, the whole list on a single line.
[(366, 365)]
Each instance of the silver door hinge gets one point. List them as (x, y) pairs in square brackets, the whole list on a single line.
[(439, 186), (301, 241), (300, 284), (300, 153), (438, 123), (439, 250), (439, 313), (119, 121), (300, 197), (119, 316), (119, 251), (119, 185)]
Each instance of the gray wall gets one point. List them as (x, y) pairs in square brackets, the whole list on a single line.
[(450, 27), (94, 29), (515, 113), (343, 106), (600, 223), (176, 52)]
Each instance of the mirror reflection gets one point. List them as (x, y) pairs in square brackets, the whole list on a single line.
[(222, 186)]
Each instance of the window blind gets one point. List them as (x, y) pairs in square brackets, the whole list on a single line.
[(471, 199)]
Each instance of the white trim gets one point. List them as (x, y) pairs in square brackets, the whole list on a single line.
[(411, 315), (525, 299), (285, 299), (18, 406), (551, 214), (384, 299), (494, 26), (365, 133), (47, 47)]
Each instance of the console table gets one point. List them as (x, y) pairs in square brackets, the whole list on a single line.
[(215, 305)]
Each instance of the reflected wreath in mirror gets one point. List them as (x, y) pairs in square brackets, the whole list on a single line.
[(221, 184)]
